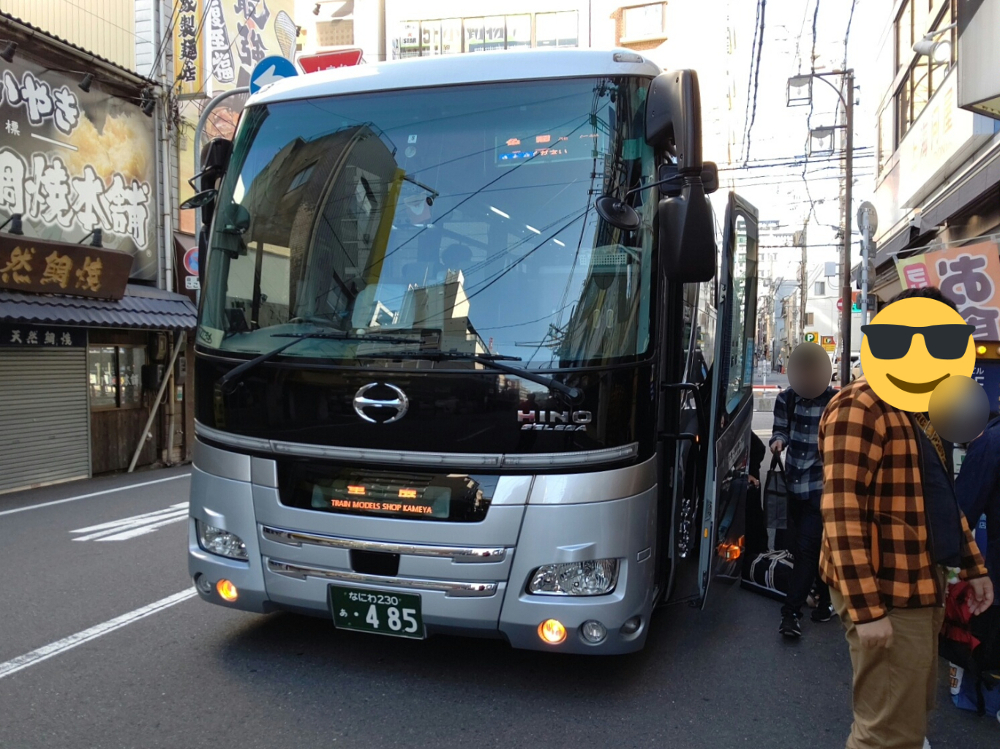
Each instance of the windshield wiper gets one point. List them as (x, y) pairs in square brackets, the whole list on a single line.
[(490, 361), (246, 366)]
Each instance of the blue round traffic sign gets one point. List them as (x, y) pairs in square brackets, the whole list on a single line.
[(191, 261), (271, 70)]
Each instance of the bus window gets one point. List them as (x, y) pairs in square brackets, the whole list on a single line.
[(740, 352)]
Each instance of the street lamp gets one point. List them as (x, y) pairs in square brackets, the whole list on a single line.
[(821, 141), (799, 93)]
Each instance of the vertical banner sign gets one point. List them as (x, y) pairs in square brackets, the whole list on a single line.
[(969, 276), (72, 161), (244, 32), (187, 48)]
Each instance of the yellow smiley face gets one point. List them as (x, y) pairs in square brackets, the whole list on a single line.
[(903, 366)]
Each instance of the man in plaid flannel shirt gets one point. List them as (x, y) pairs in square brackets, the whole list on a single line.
[(799, 432), (877, 556)]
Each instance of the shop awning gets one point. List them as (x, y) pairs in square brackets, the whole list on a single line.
[(142, 308)]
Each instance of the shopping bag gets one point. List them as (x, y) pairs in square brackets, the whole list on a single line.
[(776, 496)]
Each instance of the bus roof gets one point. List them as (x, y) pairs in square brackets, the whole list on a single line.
[(458, 69)]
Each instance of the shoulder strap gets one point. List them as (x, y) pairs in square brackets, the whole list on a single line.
[(790, 405), (933, 436)]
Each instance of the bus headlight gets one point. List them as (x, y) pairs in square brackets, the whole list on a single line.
[(595, 577), (217, 541)]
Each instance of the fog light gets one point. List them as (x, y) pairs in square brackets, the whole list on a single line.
[(552, 632), (227, 590), (594, 577), (593, 632), (203, 584), (218, 541), (631, 626)]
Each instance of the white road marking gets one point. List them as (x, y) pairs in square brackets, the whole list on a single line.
[(94, 494), (137, 525), (68, 643)]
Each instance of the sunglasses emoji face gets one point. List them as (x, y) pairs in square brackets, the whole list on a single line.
[(911, 347)]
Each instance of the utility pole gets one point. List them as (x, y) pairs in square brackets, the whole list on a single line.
[(800, 93), (803, 282), (845, 269)]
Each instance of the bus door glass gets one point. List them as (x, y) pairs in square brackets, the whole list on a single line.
[(731, 410)]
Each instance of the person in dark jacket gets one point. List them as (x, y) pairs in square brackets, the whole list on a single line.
[(978, 490)]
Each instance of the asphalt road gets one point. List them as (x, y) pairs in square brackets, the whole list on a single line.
[(193, 675)]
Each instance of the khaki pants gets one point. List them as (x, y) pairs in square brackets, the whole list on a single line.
[(894, 689)]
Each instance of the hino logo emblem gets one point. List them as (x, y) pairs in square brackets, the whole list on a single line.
[(399, 404), (554, 421)]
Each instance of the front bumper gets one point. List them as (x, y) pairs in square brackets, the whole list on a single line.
[(471, 577)]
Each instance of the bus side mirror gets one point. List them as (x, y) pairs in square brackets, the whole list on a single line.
[(673, 124), (214, 161)]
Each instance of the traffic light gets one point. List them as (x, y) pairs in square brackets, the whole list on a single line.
[(856, 301)]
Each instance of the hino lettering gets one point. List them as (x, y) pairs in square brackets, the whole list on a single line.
[(558, 421), (445, 390)]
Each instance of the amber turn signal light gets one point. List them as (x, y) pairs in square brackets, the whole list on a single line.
[(227, 591)]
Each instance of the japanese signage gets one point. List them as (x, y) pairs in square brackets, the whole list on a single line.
[(241, 33), (188, 59), (811, 337), (942, 138), (829, 343), (72, 161), (34, 265), (970, 276), (41, 336), (987, 374)]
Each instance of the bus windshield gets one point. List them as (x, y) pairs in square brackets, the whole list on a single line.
[(455, 219)]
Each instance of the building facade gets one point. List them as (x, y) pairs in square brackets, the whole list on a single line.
[(88, 321), (938, 175)]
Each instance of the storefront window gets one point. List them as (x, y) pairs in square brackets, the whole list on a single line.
[(904, 35), (518, 31), (886, 139), (115, 375), (925, 75), (557, 29), (451, 36), (485, 33), (645, 21)]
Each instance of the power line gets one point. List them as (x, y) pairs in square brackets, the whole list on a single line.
[(168, 34), (753, 49), (812, 63), (756, 77)]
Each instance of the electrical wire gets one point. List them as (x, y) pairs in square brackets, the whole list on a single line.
[(756, 78), (167, 35), (753, 49)]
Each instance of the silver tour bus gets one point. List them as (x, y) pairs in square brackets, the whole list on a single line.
[(474, 355)]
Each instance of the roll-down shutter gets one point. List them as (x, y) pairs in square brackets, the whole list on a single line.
[(44, 435)]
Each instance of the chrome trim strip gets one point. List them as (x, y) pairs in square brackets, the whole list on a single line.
[(460, 554), (413, 458), (449, 588)]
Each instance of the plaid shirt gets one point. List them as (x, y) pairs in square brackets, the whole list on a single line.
[(875, 549), (803, 463)]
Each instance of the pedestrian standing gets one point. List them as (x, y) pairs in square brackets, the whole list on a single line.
[(978, 490), (797, 412), (891, 528)]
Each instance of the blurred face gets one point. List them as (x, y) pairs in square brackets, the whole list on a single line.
[(809, 370)]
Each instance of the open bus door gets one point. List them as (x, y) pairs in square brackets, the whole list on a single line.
[(731, 409)]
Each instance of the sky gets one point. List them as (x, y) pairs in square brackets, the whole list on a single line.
[(779, 133)]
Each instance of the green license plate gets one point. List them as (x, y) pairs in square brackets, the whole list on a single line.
[(382, 612)]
